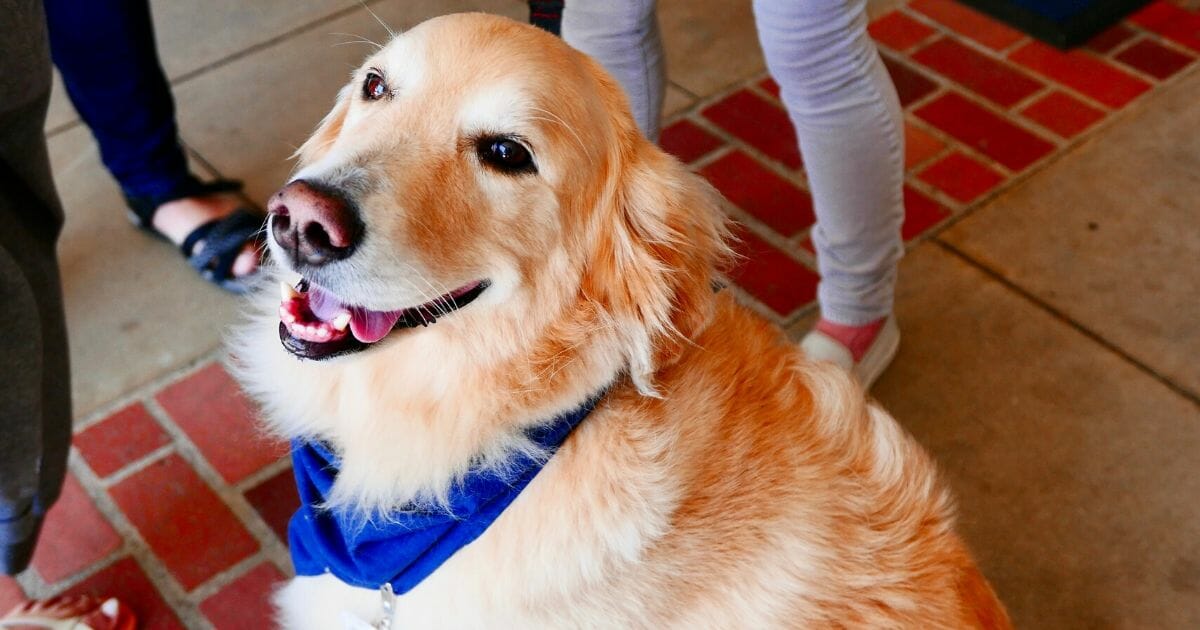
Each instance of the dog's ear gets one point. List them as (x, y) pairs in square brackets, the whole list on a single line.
[(660, 252), (327, 131)]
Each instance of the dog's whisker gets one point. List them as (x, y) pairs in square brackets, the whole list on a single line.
[(358, 41), (445, 301), (424, 297), (438, 302), (391, 33), (355, 39), (438, 306), (360, 38), (435, 306)]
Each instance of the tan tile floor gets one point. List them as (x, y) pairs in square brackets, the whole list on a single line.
[(1075, 470), (1049, 334), (134, 310), (1109, 237)]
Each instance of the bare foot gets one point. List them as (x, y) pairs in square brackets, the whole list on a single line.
[(176, 219), (857, 339)]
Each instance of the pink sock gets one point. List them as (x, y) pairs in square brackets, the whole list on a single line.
[(857, 339)]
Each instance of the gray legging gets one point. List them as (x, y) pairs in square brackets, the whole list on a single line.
[(35, 403), (845, 111)]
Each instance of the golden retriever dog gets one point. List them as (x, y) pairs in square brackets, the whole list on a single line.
[(484, 242)]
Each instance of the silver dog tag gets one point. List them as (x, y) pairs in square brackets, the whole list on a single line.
[(383, 622), (389, 607)]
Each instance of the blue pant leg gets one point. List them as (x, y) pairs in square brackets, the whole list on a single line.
[(106, 54)]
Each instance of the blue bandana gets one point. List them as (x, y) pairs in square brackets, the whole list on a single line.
[(403, 548)]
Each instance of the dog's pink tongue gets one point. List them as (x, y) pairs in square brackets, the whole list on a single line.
[(366, 325), (323, 304), (371, 326)]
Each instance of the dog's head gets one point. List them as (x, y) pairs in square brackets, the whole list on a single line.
[(480, 173)]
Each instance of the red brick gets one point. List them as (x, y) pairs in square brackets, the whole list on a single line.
[(276, 500), (961, 177), (919, 146), (687, 141), (1063, 114), (991, 135), (771, 276), (1154, 59), (920, 214), (898, 31), (911, 85), (210, 408), (1110, 38), (994, 80), (120, 439), (968, 22), (769, 86), (75, 535), (807, 245), (245, 604), (1175, 23), (769, 197), (10, 594), (126, 581), (759, 123), (183, 521), (1080, 70)]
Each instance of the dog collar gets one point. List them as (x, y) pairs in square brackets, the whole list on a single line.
[(403, 547)]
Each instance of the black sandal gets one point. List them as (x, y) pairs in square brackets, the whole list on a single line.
[(223, 238)]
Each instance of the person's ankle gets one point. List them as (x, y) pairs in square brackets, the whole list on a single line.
[(176, 219), (857, 339)]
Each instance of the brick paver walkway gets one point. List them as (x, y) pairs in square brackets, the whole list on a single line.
[(178, 505)]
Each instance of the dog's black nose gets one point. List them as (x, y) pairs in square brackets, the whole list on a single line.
[(314, 223)]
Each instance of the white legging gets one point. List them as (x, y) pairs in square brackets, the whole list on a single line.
[(845, 110)]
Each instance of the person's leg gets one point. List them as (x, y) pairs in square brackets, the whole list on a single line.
[(623, 36), (546, 15), (105, 52), (850, 128), (35, 406)]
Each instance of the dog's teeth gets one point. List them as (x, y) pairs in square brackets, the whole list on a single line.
[(341, 322), (287, 292)]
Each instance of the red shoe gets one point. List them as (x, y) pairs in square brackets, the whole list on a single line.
[(80, 612)]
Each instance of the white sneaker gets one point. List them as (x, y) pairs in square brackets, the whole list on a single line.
[(821, 347)]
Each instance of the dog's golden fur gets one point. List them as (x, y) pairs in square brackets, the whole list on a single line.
[(722, 482)]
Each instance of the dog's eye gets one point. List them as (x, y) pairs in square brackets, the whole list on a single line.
[(506, 154), (373, 87)]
